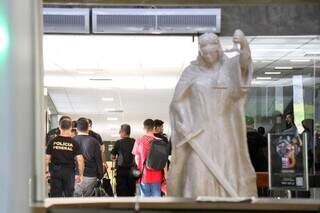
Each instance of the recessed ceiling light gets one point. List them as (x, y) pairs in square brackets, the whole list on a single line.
[(272, 73), (112, 119), (86, 72), (283, 68), (100, 79), (109, 109), (263, 78), (107, 99), (300, 60)]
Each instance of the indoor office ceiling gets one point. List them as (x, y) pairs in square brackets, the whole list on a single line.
[(125, 79)]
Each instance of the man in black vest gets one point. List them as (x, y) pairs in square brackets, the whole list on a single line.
[(124, 161)]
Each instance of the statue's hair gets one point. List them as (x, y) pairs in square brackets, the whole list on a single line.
[(212, 38)]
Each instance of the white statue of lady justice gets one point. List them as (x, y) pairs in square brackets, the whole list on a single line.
[(210, 155)]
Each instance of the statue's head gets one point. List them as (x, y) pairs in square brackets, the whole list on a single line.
[(237, 36), (210, 50)]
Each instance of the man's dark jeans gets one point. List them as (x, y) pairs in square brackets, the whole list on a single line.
[(61, 181)]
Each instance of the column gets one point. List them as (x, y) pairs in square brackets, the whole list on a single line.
[(20, 101)]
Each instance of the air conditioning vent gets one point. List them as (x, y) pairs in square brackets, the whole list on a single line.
[(124, 23), (184, 24), (189, 20), (66, 20), (169, 20), (111, 20)]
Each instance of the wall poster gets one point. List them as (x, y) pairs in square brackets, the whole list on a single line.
[(288, 164)]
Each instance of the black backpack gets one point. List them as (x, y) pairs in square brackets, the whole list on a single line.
[(124, 160), (158, 154)]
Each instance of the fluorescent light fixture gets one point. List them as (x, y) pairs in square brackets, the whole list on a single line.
[(283, 68), (112, 119), (312, 54), (263, 78), (255, 49), (109, 109), (116, 111), (86, 72), (272, 73), (300, 60), (107, 99), (266, 61), (100, 79)]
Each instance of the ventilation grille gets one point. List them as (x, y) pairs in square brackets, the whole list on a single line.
[(169, 20), (187, 23), (124, 23), (65, 20)]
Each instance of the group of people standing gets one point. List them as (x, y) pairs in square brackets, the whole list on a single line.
[(129, 153), (75, 160)]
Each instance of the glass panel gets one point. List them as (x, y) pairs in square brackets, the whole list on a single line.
[(317, 116), (288, 86)]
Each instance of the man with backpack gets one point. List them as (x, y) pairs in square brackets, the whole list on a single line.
[(158, 132), (151, 155), (124, 161)]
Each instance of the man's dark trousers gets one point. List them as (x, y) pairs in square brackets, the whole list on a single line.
[(61, 181), (126, 185)]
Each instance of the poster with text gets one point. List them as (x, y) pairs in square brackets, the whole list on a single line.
[(288, 167)]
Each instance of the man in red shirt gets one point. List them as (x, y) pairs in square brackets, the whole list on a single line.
[(150, 183)]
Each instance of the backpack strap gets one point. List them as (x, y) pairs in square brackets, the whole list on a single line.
[(143, 167)]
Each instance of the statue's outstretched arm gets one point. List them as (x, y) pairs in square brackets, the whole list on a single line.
[(245, 53)]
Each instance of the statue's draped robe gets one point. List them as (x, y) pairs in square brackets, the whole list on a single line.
[(210, 155)]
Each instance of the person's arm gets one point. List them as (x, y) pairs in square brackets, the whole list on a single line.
[(135, 152), (47, 162), (47, 159), (102, 147), (136, 159), (99, 162), (102, 150), (115, 150), (80, 163)]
